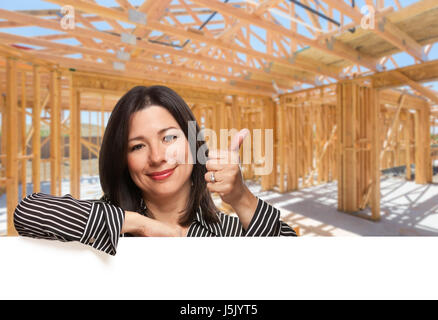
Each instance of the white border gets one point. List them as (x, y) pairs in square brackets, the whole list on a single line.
[(222, 268)]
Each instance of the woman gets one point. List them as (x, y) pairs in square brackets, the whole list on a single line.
[(156, 182)]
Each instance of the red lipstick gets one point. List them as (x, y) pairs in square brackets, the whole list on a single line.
[(161, 175)]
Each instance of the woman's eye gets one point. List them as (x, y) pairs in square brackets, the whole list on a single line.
[(170, 138), (136, 147)]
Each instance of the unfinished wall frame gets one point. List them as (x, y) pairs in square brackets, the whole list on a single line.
[(349, 132), (307, 127), (358, 149)]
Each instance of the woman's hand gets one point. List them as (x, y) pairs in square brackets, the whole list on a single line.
[(142, 226), (225, 178)]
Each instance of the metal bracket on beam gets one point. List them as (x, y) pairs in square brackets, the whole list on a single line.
[(318, 82), (268, 67), (122, 55), (248, 76), (119, 66), (137, 17), (381, 24), (128, 38), (276, 88), (292, 58), (330, 43)]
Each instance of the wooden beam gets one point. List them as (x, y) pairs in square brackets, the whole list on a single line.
[(68, 63), (333, 47), (36, 125), (121, 16), (101, 53), (55, 133), (385, 29), (412, 76), (392, 128), (11, 144), (408, 148), (423, 161), (74, 139), (416, 86), (392, 97), (23, 136), (125, 4), (109, 38), (347, 186), (358, 149), (282, 136), (374, 123), (394, 35)]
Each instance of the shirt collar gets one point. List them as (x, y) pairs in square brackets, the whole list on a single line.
[(214, 227)]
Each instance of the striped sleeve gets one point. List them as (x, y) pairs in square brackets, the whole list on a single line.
[(94, 223), (231, 226), (266, 222)]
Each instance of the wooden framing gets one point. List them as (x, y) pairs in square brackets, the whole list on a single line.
[(423, 161), (309, 137), (36, 124), (358, 148), (55, 133), (11, 145), (74, 139), (312, 123), (347, 127)]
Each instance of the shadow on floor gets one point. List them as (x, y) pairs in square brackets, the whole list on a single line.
[(407, 209)]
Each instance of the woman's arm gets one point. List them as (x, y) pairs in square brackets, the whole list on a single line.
[(245, 207), (265, 222), (93, 223), (141, 226), (256, 217)]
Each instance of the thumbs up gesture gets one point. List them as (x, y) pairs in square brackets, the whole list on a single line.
[(223, 172)]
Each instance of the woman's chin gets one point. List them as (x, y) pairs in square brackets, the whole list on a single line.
[(165, 190)]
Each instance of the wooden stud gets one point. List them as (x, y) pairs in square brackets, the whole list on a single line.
[(55, 134), (358, 149), (374, 107), (282, 143), (74, 142), (36, 125), (23, 136), (11, 144)]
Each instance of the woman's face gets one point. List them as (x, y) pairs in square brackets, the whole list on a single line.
[(159, 159)]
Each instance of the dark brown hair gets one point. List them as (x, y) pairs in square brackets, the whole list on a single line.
[(115, 179)]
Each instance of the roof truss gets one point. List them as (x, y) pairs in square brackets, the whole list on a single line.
[(250, 45)]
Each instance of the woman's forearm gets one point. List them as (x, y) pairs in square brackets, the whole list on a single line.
[(133, 223), (245, 208), (142, 226), (44, 216)]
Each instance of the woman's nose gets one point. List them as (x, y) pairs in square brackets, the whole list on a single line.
[(157, 154)]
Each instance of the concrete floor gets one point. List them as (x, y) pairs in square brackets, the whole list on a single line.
[(407, 209)]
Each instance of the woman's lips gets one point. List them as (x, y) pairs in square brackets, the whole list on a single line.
[(162, 174)]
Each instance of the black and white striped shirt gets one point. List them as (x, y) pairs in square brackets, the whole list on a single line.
[(98, 223)]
